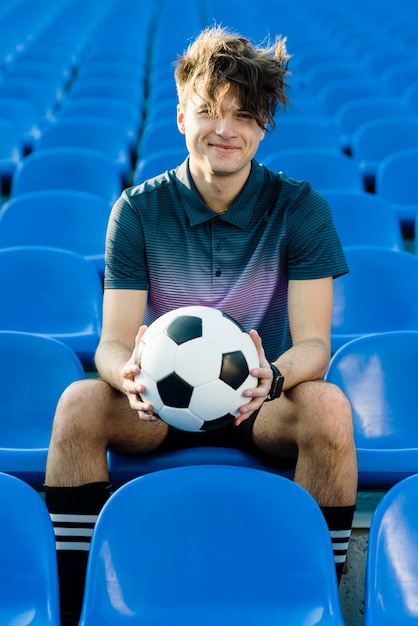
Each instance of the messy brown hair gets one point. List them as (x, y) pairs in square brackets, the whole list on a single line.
[(219, 58)]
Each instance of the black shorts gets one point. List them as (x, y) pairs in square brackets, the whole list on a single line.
[(229, 436)]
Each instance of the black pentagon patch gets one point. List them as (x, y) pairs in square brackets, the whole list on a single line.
[(217, 423), (174, 391), (184, 328), (234, 369)]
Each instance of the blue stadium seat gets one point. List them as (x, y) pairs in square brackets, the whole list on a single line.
[(355, 112), (398, 77), (396, 183), (374, 140), (72, 220), (299, 132), (126, 467), (158, 163), (53, 292), (28, 566), (11, 151), (379, 294), (377, 373), (324, 168), (159, 136), (364, 219), (116, 89), (110, 109), (335, 94), (77, 169), (188, 566), (391, 586), (34, 90), (35, 370), (410, 97), (25, 117), (91, 133)]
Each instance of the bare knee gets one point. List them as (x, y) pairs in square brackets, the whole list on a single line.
[(324, 413), (81, 410)]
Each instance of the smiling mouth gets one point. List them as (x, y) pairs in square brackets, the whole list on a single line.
[(223, 147)]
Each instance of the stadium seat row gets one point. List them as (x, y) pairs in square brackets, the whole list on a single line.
[(188, 564), (376, 371)]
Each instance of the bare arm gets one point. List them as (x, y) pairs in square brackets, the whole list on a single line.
[(123, 314), (310, 313)]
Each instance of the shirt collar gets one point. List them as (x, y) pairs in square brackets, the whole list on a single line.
[(240, 211)]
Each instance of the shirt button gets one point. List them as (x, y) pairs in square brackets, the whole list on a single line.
[(218, 246), (218, 273)]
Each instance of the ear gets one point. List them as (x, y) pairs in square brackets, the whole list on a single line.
[(180, 119)]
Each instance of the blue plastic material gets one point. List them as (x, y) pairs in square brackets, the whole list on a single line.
[(125, 467), (396, 182), (378, 375), (92, 133), (35, 370), (79, 169), (374, 140), (363, 218), (324, 168), (72, 220), (391, 572), (211, 545), (28, 567), (379, 294), (53, 292)]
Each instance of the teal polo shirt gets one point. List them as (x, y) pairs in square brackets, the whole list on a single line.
[(164, 239)]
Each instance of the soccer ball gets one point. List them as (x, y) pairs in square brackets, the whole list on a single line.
[(195, 363)]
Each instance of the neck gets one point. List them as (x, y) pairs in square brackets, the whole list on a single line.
[(219, 192)]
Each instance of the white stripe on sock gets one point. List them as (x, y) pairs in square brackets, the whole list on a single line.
[(73, 545), (73, 519), (73, 532)]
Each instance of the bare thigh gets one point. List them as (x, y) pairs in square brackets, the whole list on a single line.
[(91, 412)]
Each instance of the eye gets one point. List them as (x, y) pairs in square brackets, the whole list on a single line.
[(244, 115)]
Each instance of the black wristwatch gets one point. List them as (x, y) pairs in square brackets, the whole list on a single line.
[(276, 385)]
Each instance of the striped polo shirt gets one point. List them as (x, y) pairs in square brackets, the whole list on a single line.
[(164, 239)]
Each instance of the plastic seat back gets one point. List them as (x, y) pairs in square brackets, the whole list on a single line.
[(79, 169), (28, 569), (364, 219), (396, 183), (115, 110), (157, 163), (92, 133), (376, 139), (72, 220), (391, 589), (35, 370), (299, 132), (355, 112), (378, 294), (377, 373), (323, 168), (168, 549), (53, 292)]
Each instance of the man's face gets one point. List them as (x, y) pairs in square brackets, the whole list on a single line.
[(221, 145)]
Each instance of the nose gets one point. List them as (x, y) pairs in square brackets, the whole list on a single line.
[(225, 126)]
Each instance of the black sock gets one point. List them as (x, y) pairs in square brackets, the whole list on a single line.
[(73, 512), (339, 521)]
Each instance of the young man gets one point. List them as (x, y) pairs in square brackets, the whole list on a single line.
[(220, 230)]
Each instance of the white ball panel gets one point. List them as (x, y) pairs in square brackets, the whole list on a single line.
[(198, 351), (151, 392), (152, 363), (250, 351), (215, 400), (181, 418)]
